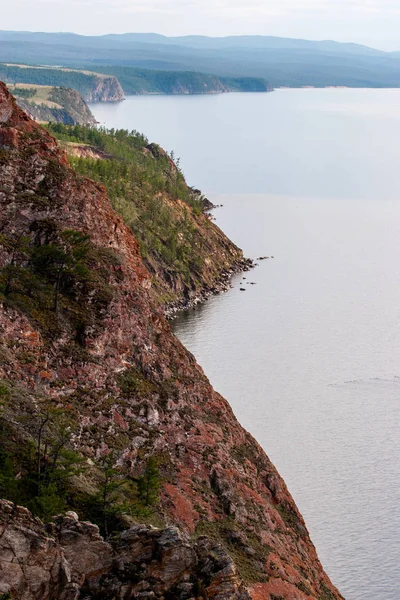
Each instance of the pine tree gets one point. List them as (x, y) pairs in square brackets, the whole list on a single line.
[(149, 484)]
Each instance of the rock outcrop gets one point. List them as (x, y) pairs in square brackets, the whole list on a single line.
[(99, 349), (104, 89), (68, 559)]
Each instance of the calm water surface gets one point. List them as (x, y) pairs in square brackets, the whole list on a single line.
[(309, 357)]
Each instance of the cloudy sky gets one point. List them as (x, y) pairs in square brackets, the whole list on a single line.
[(372, 22)]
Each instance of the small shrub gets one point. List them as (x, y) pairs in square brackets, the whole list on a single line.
[(4, 392), (132, 382), (304, 588)]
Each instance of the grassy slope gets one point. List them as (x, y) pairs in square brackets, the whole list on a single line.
[(56, 104), (77, 80), (37, 94)]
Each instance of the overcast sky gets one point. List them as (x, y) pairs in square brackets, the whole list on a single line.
[(372, 22)]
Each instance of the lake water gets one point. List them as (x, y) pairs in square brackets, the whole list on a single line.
[(309, 357)]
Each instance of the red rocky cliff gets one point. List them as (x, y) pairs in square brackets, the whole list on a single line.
[(130, 384)]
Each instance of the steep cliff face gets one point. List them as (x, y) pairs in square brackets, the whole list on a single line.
[(104, 89), (79, 330)]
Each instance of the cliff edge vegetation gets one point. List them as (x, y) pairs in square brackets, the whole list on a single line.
[(105, 413), (188, 256), (105, 83)]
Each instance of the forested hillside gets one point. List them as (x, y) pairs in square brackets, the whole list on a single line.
[(147, 81), (186, 253), (92, 86)]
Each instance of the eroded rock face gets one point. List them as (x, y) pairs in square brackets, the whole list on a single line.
[(68, 560), (216, 479), (105, 89), (32, 564)]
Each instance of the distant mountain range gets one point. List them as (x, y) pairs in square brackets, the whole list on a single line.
[(281, 61)]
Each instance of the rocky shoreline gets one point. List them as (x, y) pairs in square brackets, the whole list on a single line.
[(222, 284)]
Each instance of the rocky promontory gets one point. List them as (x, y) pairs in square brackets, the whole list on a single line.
[(104, 89), (105, 413), (54, 104)]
